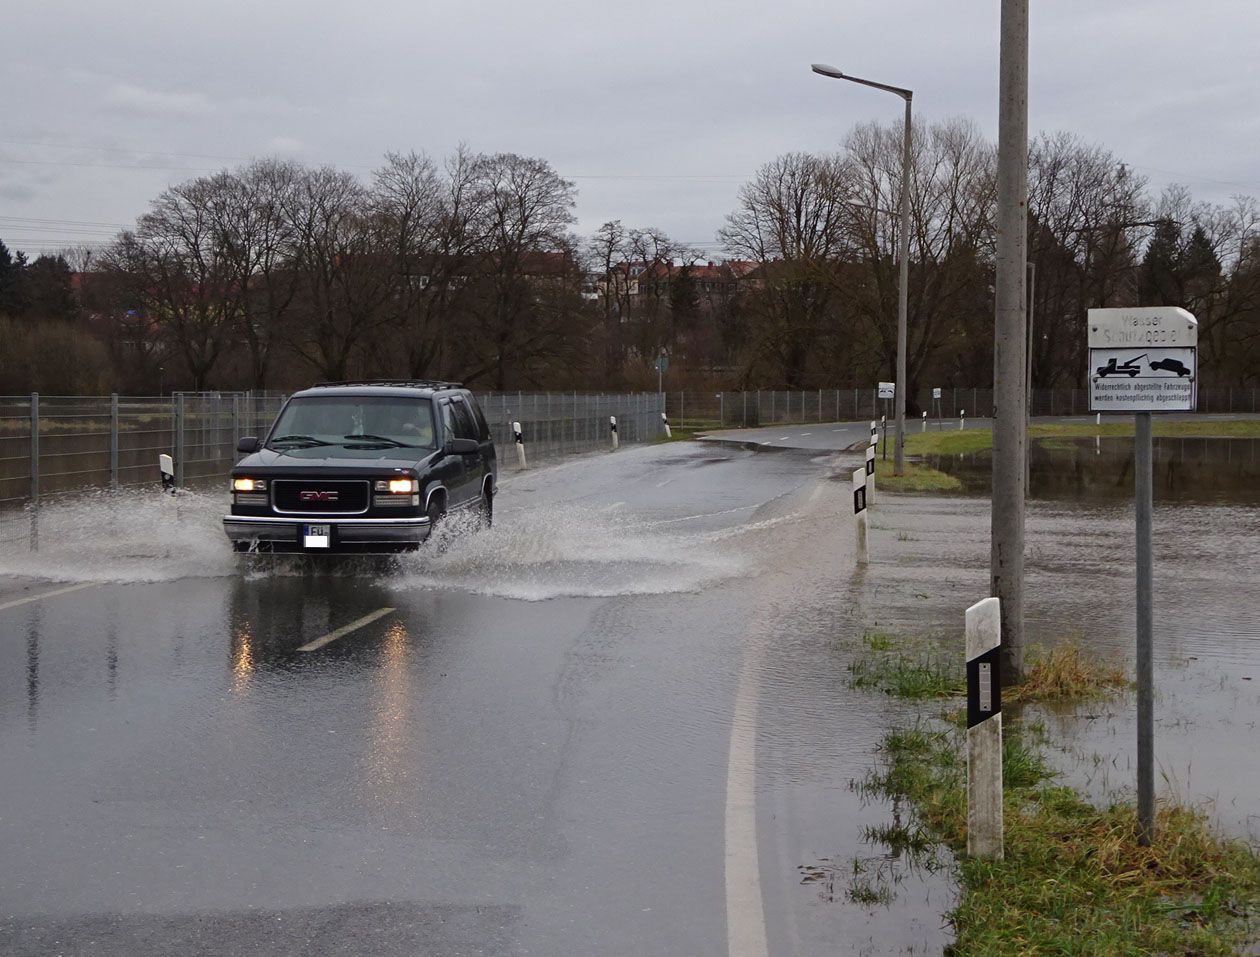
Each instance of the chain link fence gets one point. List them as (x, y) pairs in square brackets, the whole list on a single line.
[(712, 410), (53, 445)]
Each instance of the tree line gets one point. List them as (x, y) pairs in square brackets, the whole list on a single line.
[(276, 273)]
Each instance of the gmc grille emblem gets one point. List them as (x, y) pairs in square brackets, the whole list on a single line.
[(317, 496)]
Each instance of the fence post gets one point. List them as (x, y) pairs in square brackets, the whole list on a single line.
[(113, 440), (179, 443), (744, 394), (984, 730), (859, 513), (35, 448)]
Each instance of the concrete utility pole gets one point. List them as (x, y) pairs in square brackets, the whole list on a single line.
[(903, 282), (1009, 340)]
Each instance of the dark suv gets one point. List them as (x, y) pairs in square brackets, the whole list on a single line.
[(362, 467)]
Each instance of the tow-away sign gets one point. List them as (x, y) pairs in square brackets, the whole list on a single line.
[(1143, 359)]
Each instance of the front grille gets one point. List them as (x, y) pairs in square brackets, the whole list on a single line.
[(321, 496)]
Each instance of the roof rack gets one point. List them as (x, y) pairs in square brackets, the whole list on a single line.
[(404, 383)]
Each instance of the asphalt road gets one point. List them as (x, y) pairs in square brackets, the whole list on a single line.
[(618, 723)]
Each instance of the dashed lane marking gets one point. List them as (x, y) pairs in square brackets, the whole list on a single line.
[(48, 594), (345, 630)]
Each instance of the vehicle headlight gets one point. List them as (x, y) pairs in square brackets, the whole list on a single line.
[(249, 485), (398, 486)]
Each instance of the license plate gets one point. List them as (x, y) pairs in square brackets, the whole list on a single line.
[(316, 536)]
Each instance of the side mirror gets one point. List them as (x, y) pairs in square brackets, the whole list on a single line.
[(247, 444), (463, 447)]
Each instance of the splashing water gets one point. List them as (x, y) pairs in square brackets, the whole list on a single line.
[(557, 552), (531, 554), (132, 536)]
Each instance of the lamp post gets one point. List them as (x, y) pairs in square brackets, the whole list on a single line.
[(903, 282)]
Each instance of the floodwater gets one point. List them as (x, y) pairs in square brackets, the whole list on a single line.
[(1080, 586), (1186, 470)]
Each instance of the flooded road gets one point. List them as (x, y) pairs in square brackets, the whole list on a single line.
[(620, 722), (617, 723)]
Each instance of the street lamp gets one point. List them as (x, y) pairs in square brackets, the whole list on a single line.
[(899, 439)]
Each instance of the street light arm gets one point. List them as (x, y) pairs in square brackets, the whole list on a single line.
[(830, 71)]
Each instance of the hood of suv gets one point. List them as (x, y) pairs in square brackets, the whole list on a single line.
[(317, 461)]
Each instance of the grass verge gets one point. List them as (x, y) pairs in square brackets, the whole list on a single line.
[(969, 441), (918, 478), (1074, 879)]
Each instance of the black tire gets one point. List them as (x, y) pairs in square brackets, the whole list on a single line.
[(485, 509), (436, 511)]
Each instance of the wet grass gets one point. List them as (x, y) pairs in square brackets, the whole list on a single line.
[(1074, 879), (970, 441), (917, 478), (1066, 673), (915, 673)]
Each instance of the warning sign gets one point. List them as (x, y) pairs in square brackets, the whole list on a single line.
[(1143, 360)]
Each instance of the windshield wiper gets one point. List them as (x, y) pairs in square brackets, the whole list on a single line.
[(380, 439), (305, 439)]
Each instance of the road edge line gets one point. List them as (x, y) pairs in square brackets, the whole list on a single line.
[(745, 909)]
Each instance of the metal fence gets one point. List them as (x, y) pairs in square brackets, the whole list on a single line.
[(56, 444), (763, 407)]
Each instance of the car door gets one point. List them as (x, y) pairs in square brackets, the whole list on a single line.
[(473, 467), (450, 470)]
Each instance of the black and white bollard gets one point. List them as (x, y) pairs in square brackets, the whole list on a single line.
[(859, 513), (612, 428), (924, 429), (984, 730), (874, 432), (870, 475), (962, 419), (166, 465), (519, 439), (665, 422)]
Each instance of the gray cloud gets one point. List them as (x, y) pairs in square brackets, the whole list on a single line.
[(657, 110)]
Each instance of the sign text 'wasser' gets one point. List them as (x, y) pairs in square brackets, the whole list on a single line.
[(1143, 359)]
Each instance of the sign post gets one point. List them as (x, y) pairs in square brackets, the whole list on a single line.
[(1143, 360)]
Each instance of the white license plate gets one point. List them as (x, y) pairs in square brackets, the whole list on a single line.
[(316, 536)]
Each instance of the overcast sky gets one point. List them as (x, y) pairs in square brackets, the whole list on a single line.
[(657, 110)]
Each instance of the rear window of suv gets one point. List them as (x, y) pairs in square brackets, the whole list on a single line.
[(347, 426)]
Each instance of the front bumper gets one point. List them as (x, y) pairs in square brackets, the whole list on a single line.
[(270, 534)]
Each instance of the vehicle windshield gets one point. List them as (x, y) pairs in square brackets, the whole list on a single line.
[(346, 426)]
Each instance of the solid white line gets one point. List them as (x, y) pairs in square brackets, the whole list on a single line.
[(48, 594), (745, 911), (803, 434), (345, 630)]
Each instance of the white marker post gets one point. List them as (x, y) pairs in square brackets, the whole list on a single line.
[(1143, 359), (984, 730), (924, 429), (870, 475), (519, 439), (166, 465), (612, 428), (859, 513), (665, 422), (962, 419)]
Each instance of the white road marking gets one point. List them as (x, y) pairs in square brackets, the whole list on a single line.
[(48, 594), (745, 911), (345, 630), (784, 438), (803, 434)]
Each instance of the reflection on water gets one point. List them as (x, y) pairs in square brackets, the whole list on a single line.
[(1190, 470), (242, 657)]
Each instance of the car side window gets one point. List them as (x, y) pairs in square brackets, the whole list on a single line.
[(465, 427), (448, 423)]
